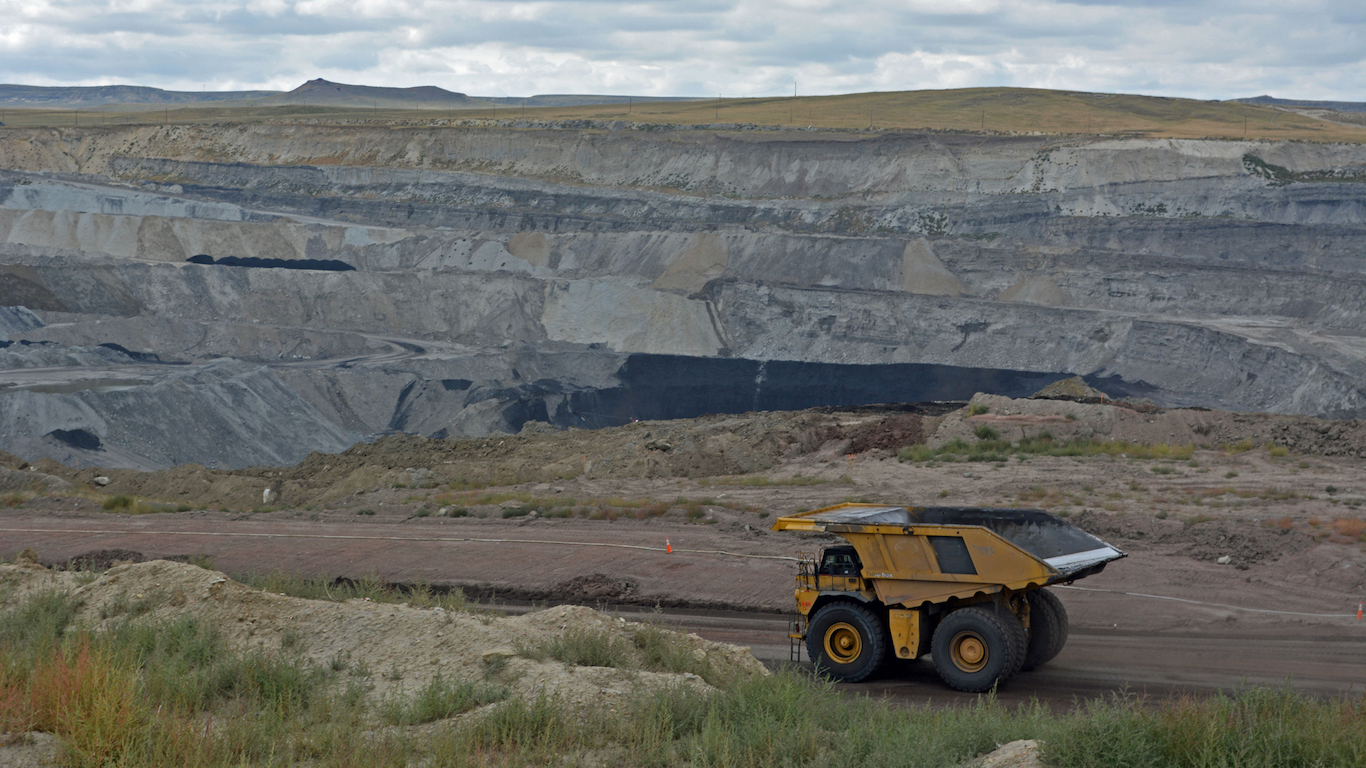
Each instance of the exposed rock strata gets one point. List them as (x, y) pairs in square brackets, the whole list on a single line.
[(1184, 268)]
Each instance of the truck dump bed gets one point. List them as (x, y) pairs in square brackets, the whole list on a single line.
[(1065, 551)]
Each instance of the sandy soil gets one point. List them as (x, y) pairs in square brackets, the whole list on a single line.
[(393, 647)]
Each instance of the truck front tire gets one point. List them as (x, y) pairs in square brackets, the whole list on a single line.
[(976, 648), (846, 641)]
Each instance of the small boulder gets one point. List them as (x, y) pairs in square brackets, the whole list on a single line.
[(501, 653), (101, 480)]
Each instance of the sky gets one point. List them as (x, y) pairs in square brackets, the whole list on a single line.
[(1212, 49)]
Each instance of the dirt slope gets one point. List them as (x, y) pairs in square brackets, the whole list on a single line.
[(392, 647)]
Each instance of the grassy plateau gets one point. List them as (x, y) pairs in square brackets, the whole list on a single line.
[(966, 110)]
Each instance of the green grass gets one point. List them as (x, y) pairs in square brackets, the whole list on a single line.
[(648, 648), (790, 720), (986, 433), (128, 505), (991, 448), (582, 648), (440, 699)]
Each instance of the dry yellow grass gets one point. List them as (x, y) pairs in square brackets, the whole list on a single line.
[(989, 110)]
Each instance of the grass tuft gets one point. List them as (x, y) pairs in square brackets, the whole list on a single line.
[(440, 699)]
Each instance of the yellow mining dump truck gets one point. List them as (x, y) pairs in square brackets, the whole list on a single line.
[(965, 585)]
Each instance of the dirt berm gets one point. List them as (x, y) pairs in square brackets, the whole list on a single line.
[(396, 648)]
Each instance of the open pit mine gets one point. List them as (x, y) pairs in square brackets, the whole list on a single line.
[(234, 295)]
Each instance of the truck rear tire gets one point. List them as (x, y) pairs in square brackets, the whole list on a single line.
[(976, 648), (846, 641), (1048, 627)]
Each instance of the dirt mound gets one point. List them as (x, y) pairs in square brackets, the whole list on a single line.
[(1074, 388), (1069, 420), (392, 647), (24, 577), (1243, 542), (30, 480), (29, 750), (102, 559), (888, 433), (702, 447), (596, 587)]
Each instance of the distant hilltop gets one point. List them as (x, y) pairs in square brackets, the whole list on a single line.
[(1337, 106), (323, 93), (83, 97), (314, 93)]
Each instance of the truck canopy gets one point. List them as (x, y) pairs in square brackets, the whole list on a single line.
[(1064, 547)]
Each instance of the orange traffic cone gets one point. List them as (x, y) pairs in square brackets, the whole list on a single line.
[(1359, 606), (670, 548)]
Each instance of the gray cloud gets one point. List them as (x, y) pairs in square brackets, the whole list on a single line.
[(1198, 48)]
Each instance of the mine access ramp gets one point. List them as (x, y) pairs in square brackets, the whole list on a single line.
[(965, 585)]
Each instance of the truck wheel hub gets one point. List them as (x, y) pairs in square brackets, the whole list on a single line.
[(969, 652), (843, 643)]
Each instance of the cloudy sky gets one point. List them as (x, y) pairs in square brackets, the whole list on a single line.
[(1198, 48)]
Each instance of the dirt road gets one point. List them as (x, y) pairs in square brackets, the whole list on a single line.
[(1119, 642)]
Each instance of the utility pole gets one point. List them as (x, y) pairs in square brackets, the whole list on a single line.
[(794, 89), (718, 106)]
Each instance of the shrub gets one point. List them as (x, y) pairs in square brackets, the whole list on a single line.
[(583, 648), (85, 697), (120, 503), (664, 651), (39, 623), (440, 699)]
